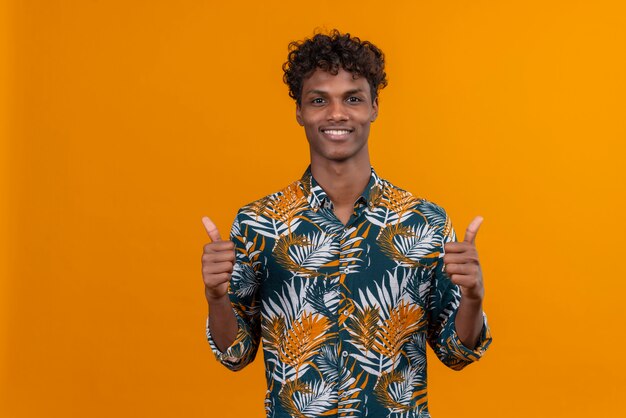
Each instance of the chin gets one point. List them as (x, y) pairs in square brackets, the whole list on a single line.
[(340, 158), (339, 153)]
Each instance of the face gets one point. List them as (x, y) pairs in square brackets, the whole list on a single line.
[(336, 112)]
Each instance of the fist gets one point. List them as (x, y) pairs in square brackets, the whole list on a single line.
[(462, 266), (218, 260)]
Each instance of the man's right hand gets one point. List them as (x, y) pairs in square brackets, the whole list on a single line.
[(218, 260)]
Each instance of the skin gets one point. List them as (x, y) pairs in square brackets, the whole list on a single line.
[(218, 260), (341, 165), (463, 267)]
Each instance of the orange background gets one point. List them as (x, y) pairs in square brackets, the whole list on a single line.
[(126, 121)]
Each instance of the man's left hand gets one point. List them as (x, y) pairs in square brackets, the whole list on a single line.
[(462, 266)]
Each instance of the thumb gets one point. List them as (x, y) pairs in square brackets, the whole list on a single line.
[(472, 229), (211, 229)]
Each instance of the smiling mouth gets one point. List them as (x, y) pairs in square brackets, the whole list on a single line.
[(337, 133)]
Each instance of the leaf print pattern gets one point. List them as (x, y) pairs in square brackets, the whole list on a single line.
[(344, 311), (304, 400), (401, 391), (404, 320), (303, 339), (363, 326), (410, 247), (273, 331), (305, 255)]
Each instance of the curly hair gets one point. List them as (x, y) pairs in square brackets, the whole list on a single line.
[(330, 53)]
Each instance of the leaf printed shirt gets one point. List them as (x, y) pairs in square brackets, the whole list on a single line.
[(344, 311)]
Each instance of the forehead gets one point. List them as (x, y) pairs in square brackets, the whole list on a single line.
[(321, 80)]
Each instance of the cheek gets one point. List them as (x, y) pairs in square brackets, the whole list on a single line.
[(365, 118), (365, 124), (308, 128), (310, 133)]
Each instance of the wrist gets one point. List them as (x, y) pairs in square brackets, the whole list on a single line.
[(473, 302), (222, 300), (473, 295)]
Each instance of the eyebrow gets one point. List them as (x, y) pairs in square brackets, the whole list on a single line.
[(322, 92)]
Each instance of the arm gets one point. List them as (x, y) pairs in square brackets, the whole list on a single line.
[(458, 331), (469, 322), (222, 323), (233, 329), (218, 260), (462, 266)]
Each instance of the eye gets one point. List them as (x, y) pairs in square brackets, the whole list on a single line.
[(317, 100), (354, 99)]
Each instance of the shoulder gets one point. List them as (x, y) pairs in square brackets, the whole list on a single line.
[(397, 198), (276, 208), (273, 215)]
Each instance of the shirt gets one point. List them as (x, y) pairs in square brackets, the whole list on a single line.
[(344, 311)]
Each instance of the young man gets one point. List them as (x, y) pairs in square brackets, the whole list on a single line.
[(342, 275)]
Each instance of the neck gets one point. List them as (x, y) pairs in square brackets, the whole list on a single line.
[(342, 181)]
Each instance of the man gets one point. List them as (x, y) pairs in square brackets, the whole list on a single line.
[(342, 275)]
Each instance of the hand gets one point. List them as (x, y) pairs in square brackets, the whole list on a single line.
[(462, 266), (218, 260)]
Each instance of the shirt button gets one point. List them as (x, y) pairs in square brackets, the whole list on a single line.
[(344, 354), (346, 313)]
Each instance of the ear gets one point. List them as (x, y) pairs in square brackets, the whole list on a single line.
[(374, 109), (299, 115)]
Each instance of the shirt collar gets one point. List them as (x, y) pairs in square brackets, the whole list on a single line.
[(318, 198)]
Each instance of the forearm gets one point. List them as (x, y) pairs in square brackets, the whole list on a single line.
[(469, 321), (222, 323)]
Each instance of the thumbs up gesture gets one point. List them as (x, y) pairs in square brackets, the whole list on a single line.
[(462, 265), (218, 260)]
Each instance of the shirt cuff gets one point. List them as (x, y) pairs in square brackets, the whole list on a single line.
[(484, 340), (232, 356)]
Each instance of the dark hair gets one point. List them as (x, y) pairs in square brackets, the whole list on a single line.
[(330, 53)]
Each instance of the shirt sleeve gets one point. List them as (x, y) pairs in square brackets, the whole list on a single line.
[(442, 308), (244, 298)]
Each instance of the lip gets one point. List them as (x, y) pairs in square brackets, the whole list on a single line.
[(336, 132)]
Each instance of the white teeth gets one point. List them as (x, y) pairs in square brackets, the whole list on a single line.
[(336, 131)]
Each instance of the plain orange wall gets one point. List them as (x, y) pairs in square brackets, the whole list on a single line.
[(126, 121)]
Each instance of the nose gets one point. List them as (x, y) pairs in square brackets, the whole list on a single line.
[(337, 111)]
